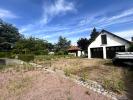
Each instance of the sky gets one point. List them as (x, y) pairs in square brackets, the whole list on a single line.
[(73, 19)]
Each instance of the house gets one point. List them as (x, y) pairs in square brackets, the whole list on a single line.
[(106, 44), (76, 51)]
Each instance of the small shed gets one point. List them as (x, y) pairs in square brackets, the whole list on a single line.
[(75, 50)]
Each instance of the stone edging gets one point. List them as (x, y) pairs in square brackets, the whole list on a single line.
[(92, 85)]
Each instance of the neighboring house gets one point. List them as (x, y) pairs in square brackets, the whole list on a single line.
[(76, 51), (106, 44)]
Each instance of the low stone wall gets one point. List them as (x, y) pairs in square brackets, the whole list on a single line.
[(2, 62), (6, 61)]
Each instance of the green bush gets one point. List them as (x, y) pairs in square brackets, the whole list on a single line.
[(41, 52), (130, 48), (5, 55), (26, 57)]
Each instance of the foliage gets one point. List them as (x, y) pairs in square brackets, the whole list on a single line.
[(130, 48), (62, 45), (8, 36), (50, 47), (31, 45), (93, 34), (26, 57), (5, 55), (83, 43)]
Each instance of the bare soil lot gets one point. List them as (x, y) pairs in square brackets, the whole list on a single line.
[(41, 85)]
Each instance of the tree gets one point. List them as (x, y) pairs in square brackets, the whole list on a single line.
[(8, 34), (31, 45), (94, 34), (50, 47), (130, 48), (62, 45), (83, 43)]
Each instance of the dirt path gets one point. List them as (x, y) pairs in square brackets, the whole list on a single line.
[(48, 86)]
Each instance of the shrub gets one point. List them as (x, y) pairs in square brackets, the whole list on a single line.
[(130, 48), (59, 53), (41, 52), (5, 55), (26, 57)]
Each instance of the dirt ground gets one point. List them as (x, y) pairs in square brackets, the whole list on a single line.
[(99, 70), (42, 85)]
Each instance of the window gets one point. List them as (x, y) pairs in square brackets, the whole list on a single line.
[(104, 39)]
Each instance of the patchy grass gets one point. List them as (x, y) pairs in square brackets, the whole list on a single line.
[(84, 76), (114, 85), (17, 68), (67, 72), (99, 70), (18, 86)]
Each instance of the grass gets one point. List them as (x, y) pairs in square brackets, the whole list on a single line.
[(18, 86), (116, 86), (3, 67), (21, 67), (67, 72), (15, 80), (84, 76), (99, 70)]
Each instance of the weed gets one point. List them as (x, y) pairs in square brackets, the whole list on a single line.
[(114, 85), (67, 72), (84, 76)]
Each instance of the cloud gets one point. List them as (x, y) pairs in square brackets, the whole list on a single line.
[(121, 15), (127, 34), (7, 14), (104, 21), (73, 29), (56, 8)]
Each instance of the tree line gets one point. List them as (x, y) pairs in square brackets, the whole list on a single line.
[(13, 41)]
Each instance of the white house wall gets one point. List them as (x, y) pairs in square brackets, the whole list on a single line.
[(111, 41), (79, 53)]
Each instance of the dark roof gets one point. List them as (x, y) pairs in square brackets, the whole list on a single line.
[(115, 35), (74, 48)]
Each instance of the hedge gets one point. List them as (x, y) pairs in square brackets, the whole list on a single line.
[(26, 57)]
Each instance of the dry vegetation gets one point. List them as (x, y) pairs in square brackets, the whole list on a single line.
[(29, 84), (14, 80), (102, 71)]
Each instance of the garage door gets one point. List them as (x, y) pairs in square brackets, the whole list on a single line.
[(97, 52), (110, 51)]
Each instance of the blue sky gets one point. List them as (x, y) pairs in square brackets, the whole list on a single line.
[(73, 19)]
